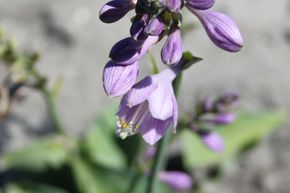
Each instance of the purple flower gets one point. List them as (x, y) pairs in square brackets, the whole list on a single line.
[(171, 52), (211, 140), (149, 108), (154, 27), (119, 79), (221, 29), (200, 4), (176, 180), (137, 27), (129, 50), (174, 5), (115, 10)]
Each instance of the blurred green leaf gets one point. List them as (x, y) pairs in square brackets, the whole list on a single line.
[(90, 179), (38, 156), (247, 129), (188, 60), (32, 188), (99, 143)]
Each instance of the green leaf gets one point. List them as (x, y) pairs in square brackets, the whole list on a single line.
[(90, 179), (44, 153), (152, 63), (188, 60), (99, 143), (32, 188), (247, 129)]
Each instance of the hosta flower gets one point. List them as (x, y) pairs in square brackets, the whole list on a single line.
[(171, 52), (119, 79), (149, 108), (200, 4), (154, 27), (115, 10), (129, 50), (221, 29), (176, 180), (211, 140), (174, 5)]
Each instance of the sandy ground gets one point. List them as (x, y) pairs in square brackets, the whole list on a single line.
[(74, 44)]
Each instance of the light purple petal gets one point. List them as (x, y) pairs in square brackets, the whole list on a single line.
[(154, 27), (176, 180), (174, 5), (118, 79), (200, 4), (160, 101), (212, 141), (141, 91)]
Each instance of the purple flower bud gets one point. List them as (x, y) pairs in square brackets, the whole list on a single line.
[(128, 50), (154, 27), (171, 52), (115, 10), (119, 79), (223, 118), (200, 4), (174, 5), (138, 26), (221, 29), (211, 140), (176, 180)]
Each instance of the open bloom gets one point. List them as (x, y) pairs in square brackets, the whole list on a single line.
[(115, 10), (129, 50), (149, 108), (221, 29), (176, 180), (119, 79)]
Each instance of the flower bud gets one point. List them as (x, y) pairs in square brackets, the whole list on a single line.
[(115, 10), (221, 29), (119, 79), (200, 4), (174, 5), (171, 52), (136, 30), (223, 118), (154, 27), (176, 180), (211, 140)]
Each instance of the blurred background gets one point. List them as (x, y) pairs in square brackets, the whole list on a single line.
[(74, 44)]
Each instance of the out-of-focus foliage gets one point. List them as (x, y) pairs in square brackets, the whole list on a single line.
[(245, 131)]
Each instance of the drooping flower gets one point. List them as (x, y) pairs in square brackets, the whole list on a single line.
[(115, 10), (149, 108), (200, 4), (176, 180), (129, 50), (174, 5), (119, 79), (211, 140), (221, 29), (171, 52)]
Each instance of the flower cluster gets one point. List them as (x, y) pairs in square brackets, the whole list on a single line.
[(151, 104)]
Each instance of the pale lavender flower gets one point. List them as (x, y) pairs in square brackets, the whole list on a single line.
[(115, 10), (129, 50), (171, 52), (221, 29), (211, 140), (176, 180), (149, 108), (200, 4), (119, 79), (154, 27), (174, 5)]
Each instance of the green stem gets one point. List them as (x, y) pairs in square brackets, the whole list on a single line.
[(52, 111), (158, 162)]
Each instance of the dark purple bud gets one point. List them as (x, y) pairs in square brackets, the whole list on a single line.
[(176, 180), (171, 52), (174, 5), (211, 140), (221, 29), (200, 4), (115, 10), (154, 27), (119, 79), (129, 50), (138, 26)]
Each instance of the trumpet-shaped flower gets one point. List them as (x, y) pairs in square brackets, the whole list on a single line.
[(149, 108)]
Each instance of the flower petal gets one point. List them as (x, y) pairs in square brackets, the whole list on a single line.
[(141, 91), (176, 180)]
